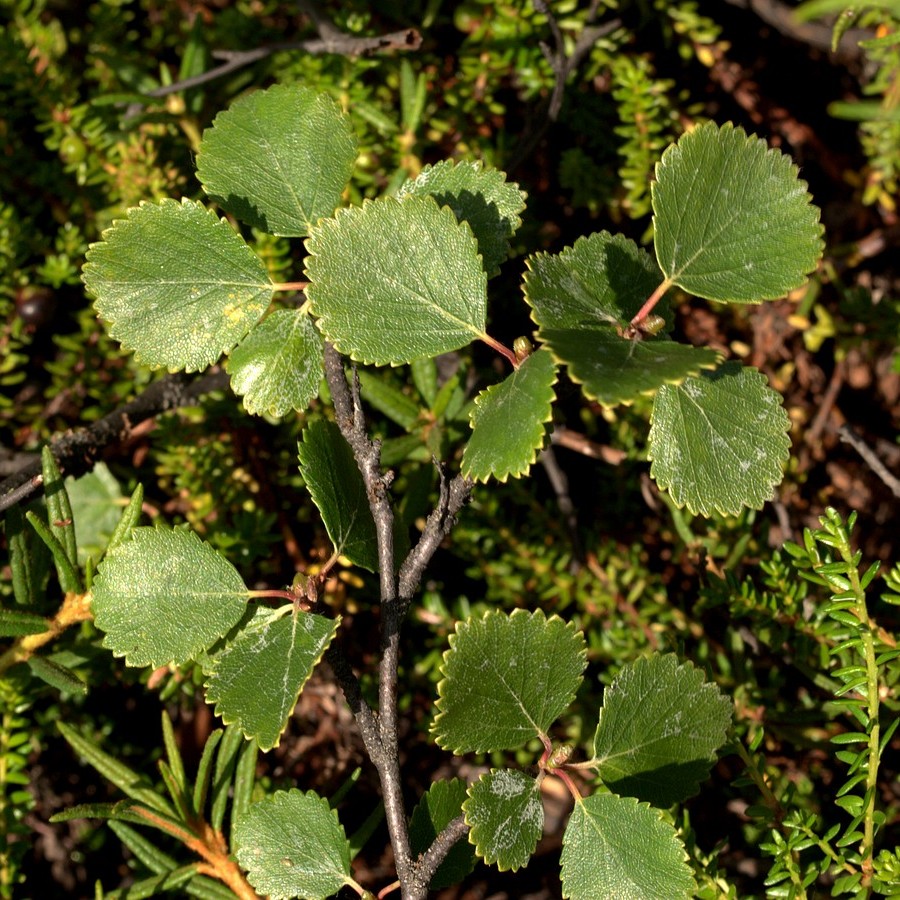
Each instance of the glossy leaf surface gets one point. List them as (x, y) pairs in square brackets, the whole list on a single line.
[(278, 649), (659, 730), (509, 421)]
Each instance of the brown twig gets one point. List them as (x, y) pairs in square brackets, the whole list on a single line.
[(76, 452), (563, 65), (848, 436), (330, 40)]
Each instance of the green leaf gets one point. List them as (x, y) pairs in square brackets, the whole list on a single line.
[(96, 500), (17, 624), (612, 369), (601, 280), (659, 730), (615, 847), (277, 648), (393, 281), (279, 365), (165, 596), (292, 844), (69, 579), (732, 219), (388, 399), (507, 678), (437, 808), (338, 490), (585, 297), (128, 520), (177, 284), (719, 442), (278, 159), (57, 676), (509, 421), (505, 816), (59, 507), (481, 197), (126, 779)]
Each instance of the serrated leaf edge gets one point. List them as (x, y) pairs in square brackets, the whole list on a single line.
[(538, 441), (465, 625), (783, 458), (236, 720), (354, 211)]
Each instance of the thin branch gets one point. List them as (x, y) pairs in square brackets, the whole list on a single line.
[(76, 452), (367, 453), (429, 862), (563, 66), (330, 40), (559, 481), (847, 435), (453, 497)]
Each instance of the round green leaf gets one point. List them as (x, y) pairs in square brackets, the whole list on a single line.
[(719, 442), (292, 845), (602, 280), (393, 281), (278, 648), (732, 219), (279, 365), (438, 807), (612, 369), (177, 284), (482, 197), (659, 730), (164, 596), (507, 678), (278, 159), (505, 816), (509, 421), (615, 847)]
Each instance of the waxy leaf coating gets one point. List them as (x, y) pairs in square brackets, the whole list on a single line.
[(507, 678), (615, 847), (719, 442), (509, 421), (279, 365), (396, 280), (481, 197), (292, 845), (164, 597), (177, 284), (659, 730), (278, 159), (732, 219), (505, 816), (278, 649)]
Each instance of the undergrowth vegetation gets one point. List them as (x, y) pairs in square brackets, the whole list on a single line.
[(675, 520)]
